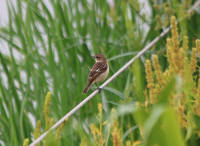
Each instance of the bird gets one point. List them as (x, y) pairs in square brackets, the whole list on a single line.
[(99, 72)]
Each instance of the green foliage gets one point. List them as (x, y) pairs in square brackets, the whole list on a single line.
[(54, 43), (160, 125)]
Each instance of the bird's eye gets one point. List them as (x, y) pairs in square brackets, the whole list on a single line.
[(97, 57)]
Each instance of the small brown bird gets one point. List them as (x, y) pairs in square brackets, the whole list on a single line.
[(99, 71)]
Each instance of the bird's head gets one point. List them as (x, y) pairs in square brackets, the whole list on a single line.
[(100, 58)]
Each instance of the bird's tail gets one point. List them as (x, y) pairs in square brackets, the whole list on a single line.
[(86, 88)]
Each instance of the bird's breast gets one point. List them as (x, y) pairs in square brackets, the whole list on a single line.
[(102, 76)]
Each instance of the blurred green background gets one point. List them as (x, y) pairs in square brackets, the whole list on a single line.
[(50, 45)]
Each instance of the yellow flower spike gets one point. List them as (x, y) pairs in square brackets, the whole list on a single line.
[(37, 131), (116, 137), (92, 129), (158, 72), (194, 89), (172, 101), (100, 141), (152, 93), (167, 73), (196, 108), (198, 46), (193, 60), (174, 31), (51, 122), (137, 104), (128, 143), (46, 110), (114, 120), (150, 81), (158, 90), (182, 99), (169, 43), (170, 56), (100, 108), (181, 57), (59, 131), (182, 116), (26, 141), (149, 74)]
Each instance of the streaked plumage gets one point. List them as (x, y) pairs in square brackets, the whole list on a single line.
[(97, 69), (98, 72)]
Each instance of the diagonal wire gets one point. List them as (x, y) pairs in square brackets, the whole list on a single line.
[(106, 83)]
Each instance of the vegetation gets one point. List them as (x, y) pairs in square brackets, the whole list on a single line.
[(50, 46)]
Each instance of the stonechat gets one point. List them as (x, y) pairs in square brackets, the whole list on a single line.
[(99, 71)]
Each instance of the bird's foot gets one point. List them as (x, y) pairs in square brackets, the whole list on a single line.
[(99, 89)]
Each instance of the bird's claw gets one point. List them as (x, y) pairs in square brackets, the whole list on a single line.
[(99, 89)]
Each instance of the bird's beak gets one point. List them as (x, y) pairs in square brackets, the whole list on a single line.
[(93, 56)]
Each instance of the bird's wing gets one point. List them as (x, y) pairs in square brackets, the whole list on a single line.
[(97, 69)]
